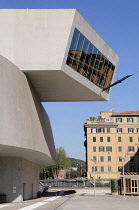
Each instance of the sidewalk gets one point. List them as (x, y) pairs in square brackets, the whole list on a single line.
[(107, 202)]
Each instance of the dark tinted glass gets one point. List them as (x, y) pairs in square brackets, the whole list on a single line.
[(87, 60), (84, 50), (74, 40), (89, 54), (80, 43)]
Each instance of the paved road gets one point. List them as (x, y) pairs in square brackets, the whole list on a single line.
[(79, 201)]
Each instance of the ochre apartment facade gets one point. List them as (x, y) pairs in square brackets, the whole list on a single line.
[(112, 141)]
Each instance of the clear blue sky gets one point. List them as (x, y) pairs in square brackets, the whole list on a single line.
[(117, 22)]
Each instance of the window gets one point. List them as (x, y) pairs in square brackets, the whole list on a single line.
[(108, 139), (97, 130), (108, 149), (94, 149), (128, 185), (108, 130), (94, 167), (84, 57), (130, 139), (118, 119), (138, 119), (137, 130), (101, 168), (109, 169), (119, 130), (138, 138), (101, 139), (131, 149), (130, 119), (95, 158), (109, 158), (94, 139), (134, 186), (119, 139), (130, 130), (101, 149), (101, 158), (120, 159), (119, 149), (107, 119), (93, 130), (100, 130)]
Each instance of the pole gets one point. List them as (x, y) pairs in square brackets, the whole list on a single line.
[(94, 176), (123, 178), (94, 180)]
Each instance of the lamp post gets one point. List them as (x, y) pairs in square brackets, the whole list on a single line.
[(109, 168), (81, 170), (123, 160), (94, 176)]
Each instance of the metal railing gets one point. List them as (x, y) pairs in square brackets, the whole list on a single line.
[(77, 183)]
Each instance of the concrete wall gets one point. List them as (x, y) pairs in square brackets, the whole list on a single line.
[(37, 35), (26, 139), (25, 129), (37, 41), (41, 36), (16, 172)]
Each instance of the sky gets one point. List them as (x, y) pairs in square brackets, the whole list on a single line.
[(117, 22)]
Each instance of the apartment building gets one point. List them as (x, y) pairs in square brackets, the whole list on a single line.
[(112, 141)]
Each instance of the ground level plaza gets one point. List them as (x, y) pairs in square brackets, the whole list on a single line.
[(81, 200)]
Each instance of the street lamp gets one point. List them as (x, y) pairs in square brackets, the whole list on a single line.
[(123, 160), (81, 170), (94, 176), (109, 167)]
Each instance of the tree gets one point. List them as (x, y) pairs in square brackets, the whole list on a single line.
[(63, 162)]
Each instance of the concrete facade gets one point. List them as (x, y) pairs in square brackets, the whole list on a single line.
[(38, 41), (25, 129), (34, 50), (26, 140), (18, 179)]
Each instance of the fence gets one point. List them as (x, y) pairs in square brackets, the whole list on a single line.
[(77, 183)]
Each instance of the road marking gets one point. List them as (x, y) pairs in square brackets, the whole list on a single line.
[(2, 206), (33, 206), (36, 205)]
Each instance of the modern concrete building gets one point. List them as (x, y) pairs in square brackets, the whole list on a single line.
[(45, 56), (110, 139)]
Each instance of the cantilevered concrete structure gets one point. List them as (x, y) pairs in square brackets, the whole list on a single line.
[(46, 55)]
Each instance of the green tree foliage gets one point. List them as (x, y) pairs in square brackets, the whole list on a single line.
[(63, 162)]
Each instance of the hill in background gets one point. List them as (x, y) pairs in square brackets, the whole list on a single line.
[(77, 163)]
